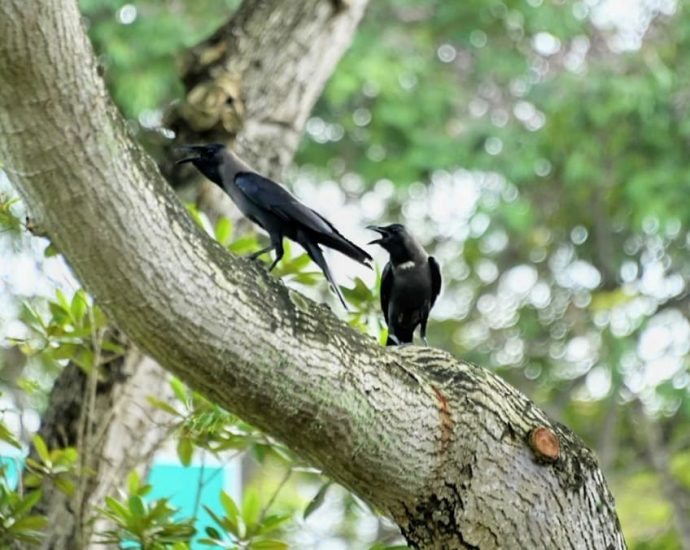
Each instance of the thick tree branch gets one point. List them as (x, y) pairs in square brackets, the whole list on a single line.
[(442, 446), (299, 32)]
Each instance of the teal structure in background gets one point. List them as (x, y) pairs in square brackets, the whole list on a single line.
[(188, 489)]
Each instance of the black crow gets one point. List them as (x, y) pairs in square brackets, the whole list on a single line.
[(410, 283), (272, 207)]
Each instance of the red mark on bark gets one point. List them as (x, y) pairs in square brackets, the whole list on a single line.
[(544, 443), (446, 421)]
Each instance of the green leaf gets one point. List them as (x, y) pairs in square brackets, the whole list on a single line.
[(58, 312), (223, 231), (30, 317), (195, 214), (268, 544), (231, 511), (137, 506), (32, 479), (117, 507), (62, 300), (185, 450), (8, 437), (251, 508), (65, 485), (162, 405), (41, 448), (245, 244), (28, 502), (133, 483), (271, 523), (317, 501), (179, 389), (29, 523), (79, 306), (50, 251), (225, 523), (112, 346), (84, 359), (213, 533), (65, 351)]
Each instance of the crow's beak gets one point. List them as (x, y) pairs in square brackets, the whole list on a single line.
[(379, 230), (188, 149)]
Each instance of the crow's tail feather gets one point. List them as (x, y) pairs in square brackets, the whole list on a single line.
[(316, 255), (337, 242), (397, 339)]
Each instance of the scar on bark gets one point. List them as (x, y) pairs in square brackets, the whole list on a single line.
[(341, 5), (446, 421), (34, 228), (544, 444)]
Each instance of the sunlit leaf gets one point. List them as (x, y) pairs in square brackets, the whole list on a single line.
[(317, 501)]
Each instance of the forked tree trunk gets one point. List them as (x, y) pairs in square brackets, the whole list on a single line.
[(280, 55), (456, 456)]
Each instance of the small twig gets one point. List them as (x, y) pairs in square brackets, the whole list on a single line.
[(273, 498), (199, 486), (84, 439)]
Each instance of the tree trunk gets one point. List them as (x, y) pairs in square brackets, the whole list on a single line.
[(457, 457), (120, 433), (276, 91), (253, 84)]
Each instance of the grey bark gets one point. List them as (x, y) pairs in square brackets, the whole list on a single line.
[(440, 445), (118, 432), (269, 50), (254, 82)]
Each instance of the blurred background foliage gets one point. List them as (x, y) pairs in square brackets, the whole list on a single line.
[(540, 149)]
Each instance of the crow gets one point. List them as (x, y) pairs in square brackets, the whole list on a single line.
[(410, 284), (272, 207)]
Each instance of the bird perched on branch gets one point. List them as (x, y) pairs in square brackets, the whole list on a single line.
[(410, 284), (274, 208)]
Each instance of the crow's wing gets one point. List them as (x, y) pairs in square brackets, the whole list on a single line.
[(435, 279), (386, 289), (273, 197)]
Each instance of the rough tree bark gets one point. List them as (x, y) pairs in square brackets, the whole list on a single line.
[(457, 457), (253, 84), (121, 432), (277, 56)]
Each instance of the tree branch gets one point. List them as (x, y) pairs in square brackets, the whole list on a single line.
[(305, 28), (440, 445)]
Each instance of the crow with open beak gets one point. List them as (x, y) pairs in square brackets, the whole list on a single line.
[(410, 284), (272, 207)]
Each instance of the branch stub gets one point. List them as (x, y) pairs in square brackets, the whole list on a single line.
[(544, 443)]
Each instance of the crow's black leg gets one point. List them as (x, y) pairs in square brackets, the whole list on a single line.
[(277, 245), (423, 332), (255, 255)]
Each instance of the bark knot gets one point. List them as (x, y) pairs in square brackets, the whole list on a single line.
[(545, 444)]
